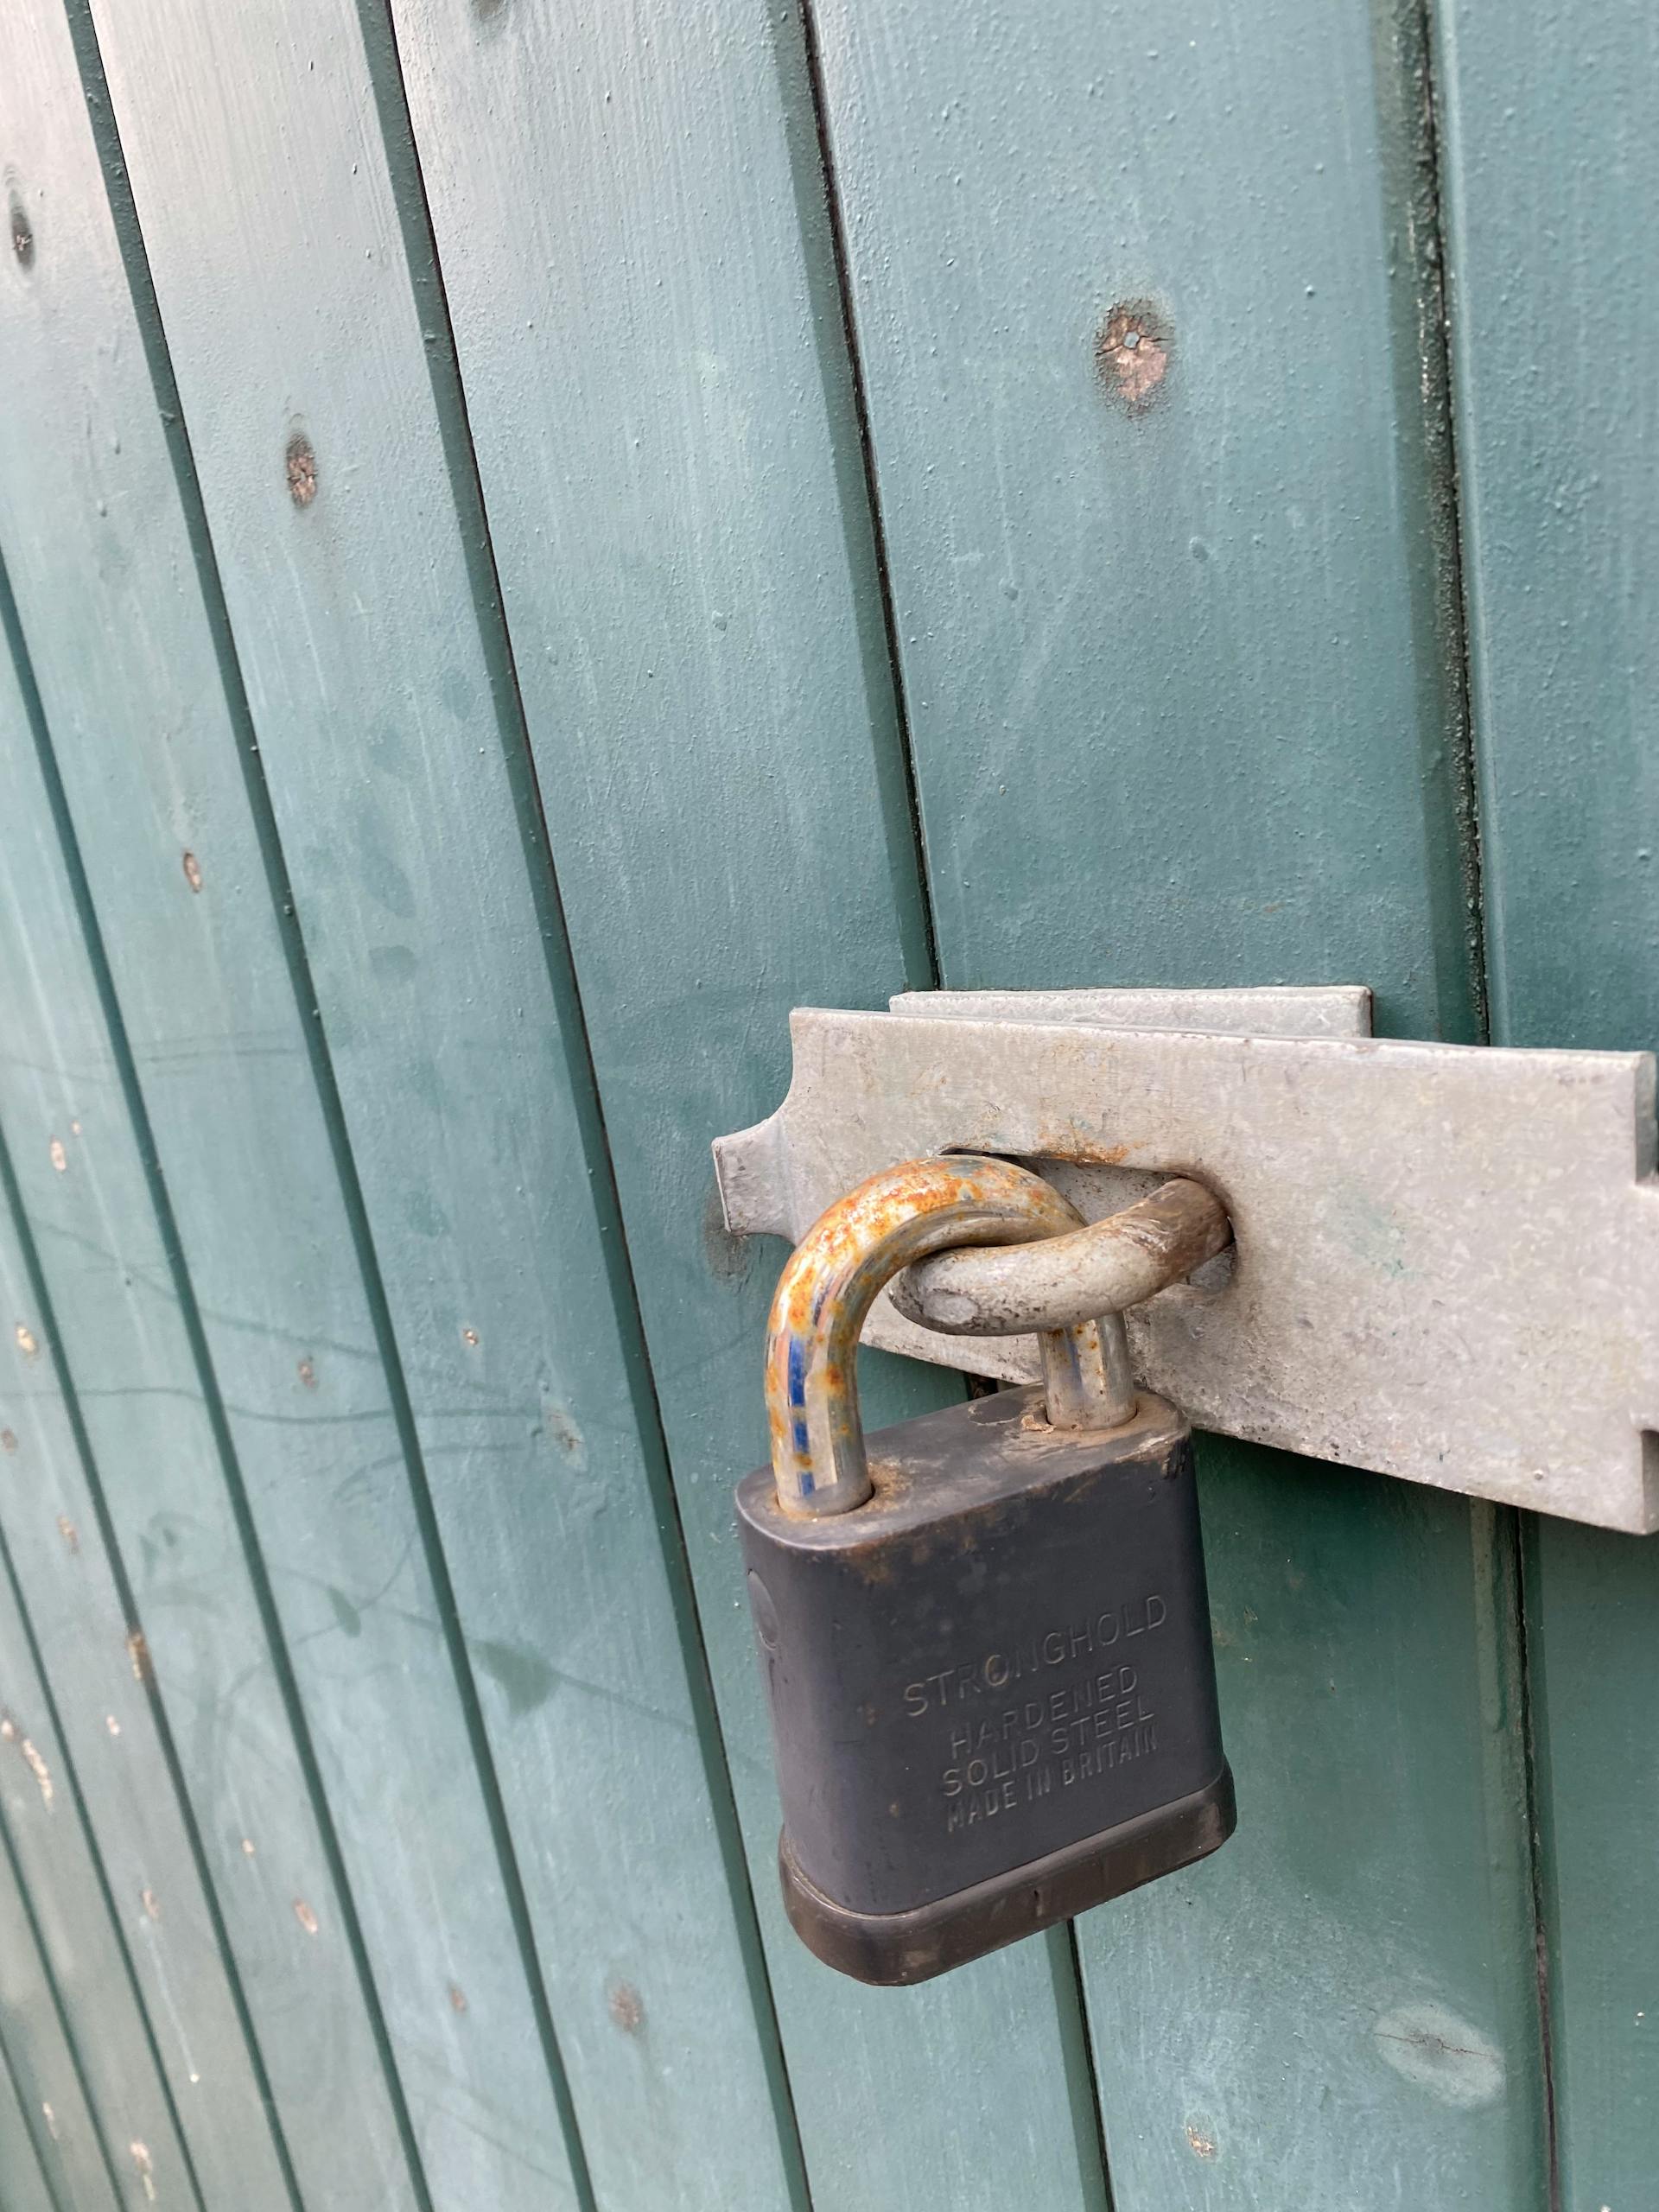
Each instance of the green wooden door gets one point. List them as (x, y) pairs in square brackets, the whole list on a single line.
[(533, 541)]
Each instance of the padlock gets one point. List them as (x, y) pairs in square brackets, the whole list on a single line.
[(986, 1640)]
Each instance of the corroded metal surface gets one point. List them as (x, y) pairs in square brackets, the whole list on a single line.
[(825, 1292), (1245, 1010), (1103, 1268), (1448, 1258)]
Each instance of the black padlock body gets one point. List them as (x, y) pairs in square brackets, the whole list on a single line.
[(992, 1686)]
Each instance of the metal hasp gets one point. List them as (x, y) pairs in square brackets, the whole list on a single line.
[(1446, 1258)]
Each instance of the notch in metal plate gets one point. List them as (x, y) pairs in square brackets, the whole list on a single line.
[(1446, 1264)]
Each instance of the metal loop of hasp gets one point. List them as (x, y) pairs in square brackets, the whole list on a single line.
[(1101, 1269), (1068, 1281), (907, 1213)]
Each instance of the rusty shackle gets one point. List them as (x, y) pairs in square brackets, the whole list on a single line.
[(923, 1207)]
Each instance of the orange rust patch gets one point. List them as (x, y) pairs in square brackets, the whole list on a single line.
[(827, 1285), (1132, 352), (300, 470)]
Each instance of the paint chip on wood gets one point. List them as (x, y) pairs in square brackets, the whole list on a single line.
[(308, 1374), (138, 1652), (28, 1342), (1442, 2054), (139, 2153), (559, 1425), (247, 1846), (469, 1337), (38, 1768), (729, 1257), (457, 1999), (112, 1724), (192, 871), (1202, 2146), (51, 2120), (304, 1913), (1132, 352), (8, 1439), (151, 1904), (69, 1531), (58, 1157), (300, 466), (627, 2007)]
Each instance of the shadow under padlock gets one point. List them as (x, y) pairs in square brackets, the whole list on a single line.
[(985, 1638)]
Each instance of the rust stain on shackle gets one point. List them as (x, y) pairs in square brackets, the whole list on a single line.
[(825, 1292), (1132, 352)]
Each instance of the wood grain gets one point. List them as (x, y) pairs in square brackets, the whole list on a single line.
[(629, 210), (311, 1448), (44, 2077), (26, 2188), (51, 1855), (1551, 168), (1182, 684), (91, 1643), (382, 711)]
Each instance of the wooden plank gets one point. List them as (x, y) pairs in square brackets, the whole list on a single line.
[(118, 2165), (1181, 677), (383, 722), (82, 1625), (318, 1456), (630, 215), (36, 2056), (1551, 149), (123, 1331), (46, 1837), (1102, 564), (23, 2186)]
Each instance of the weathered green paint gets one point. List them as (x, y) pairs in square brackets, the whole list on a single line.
[(1551, 175), (1181, 700), (106, 1268), (23, 2186), (386, 730), (49, 1848), (331, 1364), (1178, 653), (630, 215), (211, 1013), (140, 1391), (40, 2061), (82, 1624)]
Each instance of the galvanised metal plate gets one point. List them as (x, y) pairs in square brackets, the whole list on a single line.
[(1447, 1257), (1252, 1010)]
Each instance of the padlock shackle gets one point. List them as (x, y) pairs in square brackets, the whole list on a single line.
[(825, 1292)]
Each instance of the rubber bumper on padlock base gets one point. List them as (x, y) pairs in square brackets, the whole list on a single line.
[(893, 1950)]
